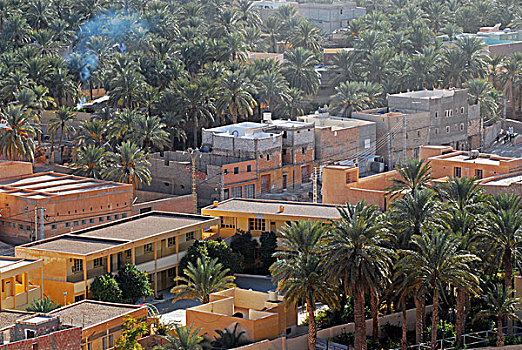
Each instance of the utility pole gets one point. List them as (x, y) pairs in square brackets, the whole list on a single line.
[(42, 235), (315, 184), (404, 150), (35, 222), (193, 155), (388, 141)]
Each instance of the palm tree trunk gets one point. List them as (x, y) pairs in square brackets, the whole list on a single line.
[(404, 326), (60, 144), (234, 115), (312, 327), (419, 317), (461, 316), (500, 335), (435, 319), (508, 282), (375, 314), (360, 321), (195, 130)]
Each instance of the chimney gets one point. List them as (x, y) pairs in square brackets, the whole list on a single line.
[(281, 208), (215, 204)]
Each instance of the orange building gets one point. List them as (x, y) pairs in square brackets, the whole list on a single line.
[(342, 183), (260, 315), (36, 206)]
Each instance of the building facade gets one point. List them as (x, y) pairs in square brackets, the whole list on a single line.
[(343, 139), (427, 117), (21, 282), (260, 315), (330, 16), (155, 242), (258, 216)]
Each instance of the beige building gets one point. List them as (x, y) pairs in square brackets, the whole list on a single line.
[(21, 282), (260, 315), (155, 242), (258, 215)]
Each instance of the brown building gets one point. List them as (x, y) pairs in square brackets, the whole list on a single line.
[(101, 323), (155, 242), (30, 331)]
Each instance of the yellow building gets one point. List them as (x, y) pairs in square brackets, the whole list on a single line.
[(155, 242), (259, 215), (20, 281), (260, 315), (101, 322)]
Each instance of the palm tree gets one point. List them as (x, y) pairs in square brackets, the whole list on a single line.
[(234, 95), (62, 120), (272, 89), (92, 131), (481, 91), (89, 161), (306, 35), (272, 26), (184, 338), (207, 276), (357, 253), (299, 70), (510, 77), (350, 96), (464, 205), (149, 132), (128, 165), (16, 140), (434, 263), (229, 339), (299, 271), (475, 56), (44, 305), (500, 304), (414, 175), (124, 123)]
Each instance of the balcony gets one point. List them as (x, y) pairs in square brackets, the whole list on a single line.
[(21, 300), (161, 263)]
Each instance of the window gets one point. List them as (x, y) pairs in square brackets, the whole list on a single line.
[(249, 168), (84, 222), (227, 222), (76, 223), (249, 191), (226, 193), (97, 262), (225, 171), (171, 272), (461, 126), (462, 110), (255, 224), (128, 253), (268, 157), (436, 115), (478, 173), (101, 219), (189, 236), (91, 221), (171, 241), (236, 192), (418, 133), (27, 228), (116, 217), (236, 170), (448, 129), (436, 131), (284, 134), (104, 343), (111, 341), (20, 226), (77, 265), (54, 227), (109, 218), (458, 172), (77, 299), (284, 151), (303, 150), (67, 224), (148, 248), (367, 143), (29, 333), (124, 215)]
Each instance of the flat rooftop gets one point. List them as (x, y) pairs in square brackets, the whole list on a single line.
[(466, 159), (336, 123), (268, 207), (10, 263), (9, 317), (504, 180), (45, 185), (145, 225), (73, 244), (88, 313), (427, 94)]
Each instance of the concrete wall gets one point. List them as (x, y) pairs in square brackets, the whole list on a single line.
[(61, 340), (154, 201), (329, 17), (14, 170)]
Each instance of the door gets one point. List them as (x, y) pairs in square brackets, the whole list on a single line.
[(285, 181), (305, 174), (265, 183)]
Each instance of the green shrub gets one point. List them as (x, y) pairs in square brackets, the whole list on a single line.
[(105, 288)]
